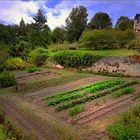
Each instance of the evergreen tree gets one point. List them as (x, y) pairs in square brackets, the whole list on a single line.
[(40, 20)]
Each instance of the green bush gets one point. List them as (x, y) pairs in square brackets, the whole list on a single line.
[(76, 109), (16, 63), (128, 128), (3, 56), (105, 39), (32, 69), (134, 44), (7, 79), (74, 59), (38, 56), (120, 131), (123, 91)]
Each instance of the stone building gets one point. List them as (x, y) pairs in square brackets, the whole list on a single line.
[(137, 23)]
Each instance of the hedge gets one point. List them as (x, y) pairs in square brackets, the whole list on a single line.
[(75, 60)]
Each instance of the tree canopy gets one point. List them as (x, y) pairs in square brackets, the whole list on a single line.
[(124, 23), (76, 22), (100, 21)]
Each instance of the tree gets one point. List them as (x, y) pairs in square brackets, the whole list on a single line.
[(22, 29), (40, 35), (124, 23), (40, 20), (76, 22), (100, 21), (59, 35)]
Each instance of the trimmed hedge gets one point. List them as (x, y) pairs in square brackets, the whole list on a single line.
[(74, 59)]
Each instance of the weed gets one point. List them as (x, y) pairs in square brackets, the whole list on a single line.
[(76, 109)]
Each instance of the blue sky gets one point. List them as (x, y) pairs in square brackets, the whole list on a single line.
[(56, 11)]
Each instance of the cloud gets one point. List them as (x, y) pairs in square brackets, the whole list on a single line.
[(58, 10)]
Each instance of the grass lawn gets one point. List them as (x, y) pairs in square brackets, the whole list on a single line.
[(112, 52), (1, 134)]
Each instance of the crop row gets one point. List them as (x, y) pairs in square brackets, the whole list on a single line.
[(93, 96), (76, 95), (81, 88), (66, 98)]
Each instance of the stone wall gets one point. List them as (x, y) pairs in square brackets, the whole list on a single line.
[(114, 64)]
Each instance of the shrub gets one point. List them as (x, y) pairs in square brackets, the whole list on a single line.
[(120, 131), (32, 69), (123, 91), (15, 63), (7, 79), (105, 39), (134, 44), (3, 56), (76, 109), (38, 56), (74, 59)]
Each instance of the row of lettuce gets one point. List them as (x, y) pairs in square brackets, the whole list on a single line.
[(10, 131), (94, 91)]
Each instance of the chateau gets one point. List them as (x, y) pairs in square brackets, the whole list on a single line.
[(137, 23)]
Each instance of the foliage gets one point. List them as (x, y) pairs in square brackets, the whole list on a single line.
[(40, 20), (7, 34), (7, 79), (122, 132), (84, 88), (15, 63), (40, 39), (76, 109), (32, 69), (38, 56), (2, 116), (124, 23), (73, 59), (76, 22), (100, 21), (105, 39), (123, 91), (128, 128), (3, 56), (14, 133), (59, 35), (134, 44), (96, 95), (21, 49)]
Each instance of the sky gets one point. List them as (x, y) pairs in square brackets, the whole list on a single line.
[(56, 11)]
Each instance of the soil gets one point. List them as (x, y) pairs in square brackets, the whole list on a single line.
[(25, 77), (24, 121), (91, 114)]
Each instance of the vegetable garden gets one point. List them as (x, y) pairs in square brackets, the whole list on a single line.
[(87, 93)]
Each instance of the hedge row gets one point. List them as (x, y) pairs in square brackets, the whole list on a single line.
[(92, 97), (75, 60)]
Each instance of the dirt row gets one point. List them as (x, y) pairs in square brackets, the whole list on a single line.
[(24, 121), (37, 96), (90, 116)]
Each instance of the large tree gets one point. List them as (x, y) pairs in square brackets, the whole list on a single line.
[(76, 22), (59, 35), (100, 21), (124, 23)]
